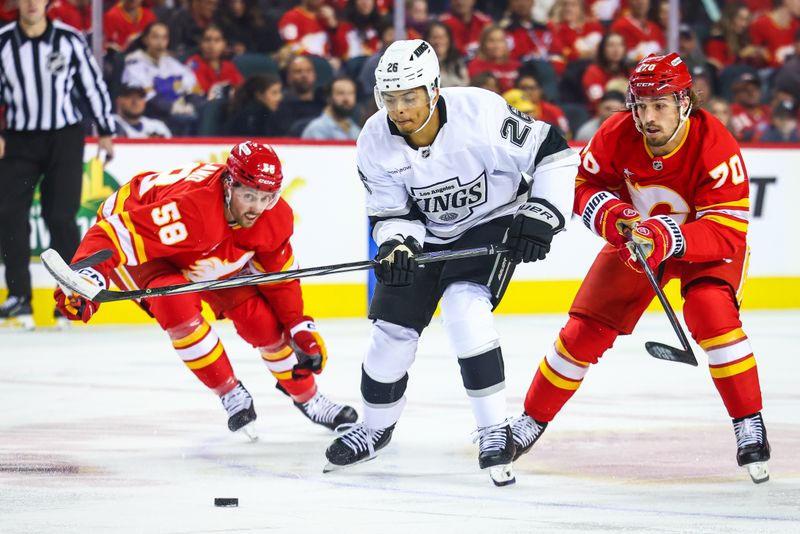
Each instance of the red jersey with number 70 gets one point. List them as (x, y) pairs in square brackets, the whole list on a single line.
[(178, 216), (702, 184)]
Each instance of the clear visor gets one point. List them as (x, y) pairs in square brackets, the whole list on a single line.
[(395, 100), (255, 198)]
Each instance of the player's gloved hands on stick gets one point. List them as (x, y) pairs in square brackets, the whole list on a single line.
[(308, 347), (532, 230), (658, 238), (75, 307), (609, 217), (396, 264)]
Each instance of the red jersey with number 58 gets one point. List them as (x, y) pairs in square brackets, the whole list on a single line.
[(178, 216), (702, 184)]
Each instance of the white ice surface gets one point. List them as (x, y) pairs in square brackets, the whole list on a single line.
[(104, 430)]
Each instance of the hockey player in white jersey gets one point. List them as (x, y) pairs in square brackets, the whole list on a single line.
[(448, 169)]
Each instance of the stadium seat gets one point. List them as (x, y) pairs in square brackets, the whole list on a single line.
[(545, 74), (211, 115), (570, 88), (729, 75), (251, 63), (323, 69)]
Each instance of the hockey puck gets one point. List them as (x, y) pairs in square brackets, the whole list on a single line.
[(227, 502)]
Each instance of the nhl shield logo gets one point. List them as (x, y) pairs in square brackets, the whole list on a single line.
[(658, 165), (56, 62)]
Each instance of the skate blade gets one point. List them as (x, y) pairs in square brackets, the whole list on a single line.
[(23, 323), (502, 475), (759, 472), (249, 430), (333, 467)]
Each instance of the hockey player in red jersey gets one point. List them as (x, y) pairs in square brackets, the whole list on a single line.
[(672, 175), (204, 222)]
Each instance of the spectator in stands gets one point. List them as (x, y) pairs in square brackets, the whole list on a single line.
[(76, 13), (366, 78), (452, 70), (301, 100), (579, 33), (336, 120), (493, 56), (216, 77), (689, 48), (124, 22), (485, 80), (168, 83), (542, 110), (702, 82), (783, 126), (466, 25), (749, 116), (788, 77), (417, 17), (610, 69), (642, 36), (255, 109), (130, 119), (357, 35), (610, 103), (247, 28), (186, 25), (729, 39), (775, 31), (307, 28), (529, 40), (721, 109)]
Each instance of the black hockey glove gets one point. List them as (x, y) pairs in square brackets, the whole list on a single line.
[(532, 230), (396, 264)]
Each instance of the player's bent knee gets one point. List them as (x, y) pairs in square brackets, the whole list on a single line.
[(184, 328), (391, 351), (467, 318), (710, 309), (586, 339)]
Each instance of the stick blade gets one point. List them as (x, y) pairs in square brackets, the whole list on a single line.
[(672, 354), (65, 276)]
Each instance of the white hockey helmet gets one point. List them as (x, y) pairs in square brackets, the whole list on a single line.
[(407, 65)]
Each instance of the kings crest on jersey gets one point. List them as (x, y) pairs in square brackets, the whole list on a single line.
[(478, 167)]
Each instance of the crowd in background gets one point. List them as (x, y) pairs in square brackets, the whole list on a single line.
[(304, 68)]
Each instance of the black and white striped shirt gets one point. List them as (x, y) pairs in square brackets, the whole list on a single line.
[(39, 78)]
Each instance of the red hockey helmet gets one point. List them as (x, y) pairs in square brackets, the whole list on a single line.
[(659, 75), (255, 165)]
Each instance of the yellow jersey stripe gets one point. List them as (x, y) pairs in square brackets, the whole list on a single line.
[(720, 219), (556, 380), (138, 243), (192, 338), (205, 361), (742, 203), (108, 229), (122, 195), (735, 369), (724, 339)]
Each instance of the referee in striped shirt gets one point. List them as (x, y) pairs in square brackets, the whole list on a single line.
[(43, 64)]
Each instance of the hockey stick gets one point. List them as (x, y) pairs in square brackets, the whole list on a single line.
[(660, 350), (66, 277)]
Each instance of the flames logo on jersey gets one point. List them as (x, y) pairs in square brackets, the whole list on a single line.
[(450, 201), (214, 268)]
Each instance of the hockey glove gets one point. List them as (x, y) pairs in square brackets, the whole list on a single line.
[(609, 217), (532, 230), (308, 347), (659, 238), (396, 264), (75, 307)]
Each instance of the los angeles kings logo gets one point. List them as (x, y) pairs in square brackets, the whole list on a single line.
[(450, 201)]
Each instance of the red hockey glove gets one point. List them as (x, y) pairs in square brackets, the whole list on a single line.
[(608, 217), (75, 307), (659, 238), (308, 347)]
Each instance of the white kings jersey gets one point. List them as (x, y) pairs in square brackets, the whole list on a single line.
[(486, 160)]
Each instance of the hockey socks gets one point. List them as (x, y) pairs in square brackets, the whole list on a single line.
[(202, 352)]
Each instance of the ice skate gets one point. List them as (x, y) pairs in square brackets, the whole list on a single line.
[(16, 313), (241, 412), (752, 446), (526, 430), (323, 411), (496, 446), (357, 444)]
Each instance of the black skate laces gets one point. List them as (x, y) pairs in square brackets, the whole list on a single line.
[(359, 437), (236, 400), (525, 430), (491, 437), (321, 409), (749, 431)]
